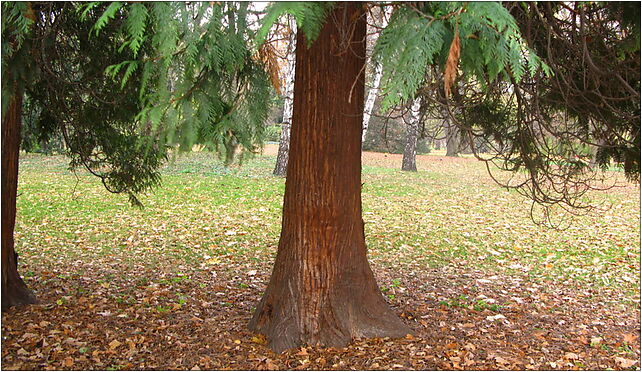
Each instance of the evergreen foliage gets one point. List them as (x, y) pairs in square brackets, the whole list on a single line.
[(310, 17), (594, 50), (132, 83), (200, 81), (420, 35)]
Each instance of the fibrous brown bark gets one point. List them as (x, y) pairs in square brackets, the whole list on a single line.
[(14, 290), (322, 290)]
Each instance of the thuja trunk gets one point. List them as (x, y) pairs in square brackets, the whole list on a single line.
[(322, 290), (14, 290)]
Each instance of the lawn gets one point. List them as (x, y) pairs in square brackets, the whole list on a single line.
[(173, 285)]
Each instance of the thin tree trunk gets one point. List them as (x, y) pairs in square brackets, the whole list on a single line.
[(372, 96), (231, 148), (372, 93), (452, 139), (281, 167), (14, 290), (322, 290), (594, 150), (409, 162)]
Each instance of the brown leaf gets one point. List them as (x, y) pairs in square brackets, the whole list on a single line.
[(540, 333), (68, 362), (470, 347), (259, 339), (501, 360), (451, 64), (625, 363), (270, 365), (114, 344), (630, 338)]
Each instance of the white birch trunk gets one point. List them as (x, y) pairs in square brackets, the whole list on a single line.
[(372, 96), (372, 93), (280, 169)]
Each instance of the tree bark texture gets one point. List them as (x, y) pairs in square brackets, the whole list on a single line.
[(409, 162), (281, 167), (322, 290), (14, 290)]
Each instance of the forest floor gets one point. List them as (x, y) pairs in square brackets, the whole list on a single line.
[(173, 285)]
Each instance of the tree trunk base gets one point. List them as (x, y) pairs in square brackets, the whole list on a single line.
[(343, 318), (16, 293)]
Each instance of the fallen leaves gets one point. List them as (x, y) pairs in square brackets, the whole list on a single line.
[(495, 317), (625, 363), (630, 338), (114, 344)]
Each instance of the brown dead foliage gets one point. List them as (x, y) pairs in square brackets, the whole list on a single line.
[(450, 73)]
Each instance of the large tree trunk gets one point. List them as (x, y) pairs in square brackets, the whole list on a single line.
[(281, 166), (409, 162), (14, 290), (322, 290)]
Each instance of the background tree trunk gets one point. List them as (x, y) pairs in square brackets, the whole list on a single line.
[(14, 290), (281, 167), (322, 290), (409, 162), (231, 147), (452, 139), (372, 93)]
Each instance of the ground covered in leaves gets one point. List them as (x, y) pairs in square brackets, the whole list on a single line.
[(173, 285)]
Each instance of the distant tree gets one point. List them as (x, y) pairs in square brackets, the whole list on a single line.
[(452, 138), (381, 22), (409, 161), (281, 165)]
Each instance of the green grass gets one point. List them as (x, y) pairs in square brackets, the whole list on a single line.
[(448, 213)]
